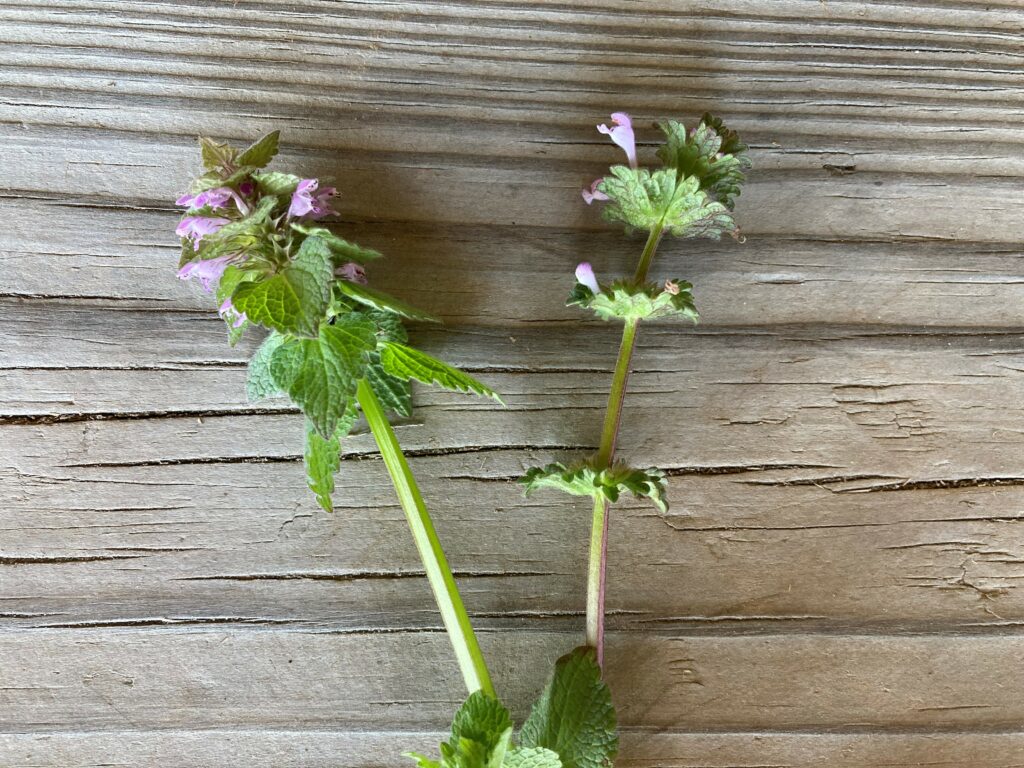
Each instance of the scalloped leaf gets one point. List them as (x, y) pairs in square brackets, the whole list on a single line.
[(343, 250), (295, 299), (480, 737), (645, 200), (323, 456), (702, 153), (625, 300), (408, 363), (259, 384), (321, 374), (582, 479), (261, 151), (383, 302), (574, 716)]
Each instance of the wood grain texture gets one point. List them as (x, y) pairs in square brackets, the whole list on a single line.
[(839, 579)]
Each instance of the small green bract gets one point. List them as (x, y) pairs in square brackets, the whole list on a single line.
[(584, 479), (624, 300)]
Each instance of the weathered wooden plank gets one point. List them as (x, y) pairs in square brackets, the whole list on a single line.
[(805, 205), (843, 431), (878, 472), (155, 679), (266, 748), (744, 552), (411, 57), (125, 258)]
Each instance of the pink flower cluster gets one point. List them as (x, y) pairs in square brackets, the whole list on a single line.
[(309, 202), (306, 204)]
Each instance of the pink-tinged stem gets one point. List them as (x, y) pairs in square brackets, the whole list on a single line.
[(597, 566)]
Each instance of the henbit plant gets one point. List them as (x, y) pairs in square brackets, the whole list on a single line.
[(337, 346), (692, 195)]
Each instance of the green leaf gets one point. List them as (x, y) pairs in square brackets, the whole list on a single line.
[(481, 718), (644, 200), (480, 738), (216, 155), (343, 250), (216, 179), (532, 757), (276, 183), (582, 479), (574, 716), (395, 394), (320, 375), (702, 153), (231, 279), (259, 384), (384, 302), (422, 761), (323, 457), (626, 300), (731, 144), (260, 152), (245, 236), (295, 299), (408, 363), (389, 326)]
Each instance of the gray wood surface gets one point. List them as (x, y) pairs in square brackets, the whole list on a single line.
[(839, 582)]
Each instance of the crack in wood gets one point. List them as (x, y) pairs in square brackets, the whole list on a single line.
[(363, 575), (60, 559), (346, 456)]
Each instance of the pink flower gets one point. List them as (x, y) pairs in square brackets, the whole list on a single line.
[(352, 272), (214, 198), (231, 315), (207, 272), (622, 134), (592, 194), (197, 227), (305, 203), (585, 276)]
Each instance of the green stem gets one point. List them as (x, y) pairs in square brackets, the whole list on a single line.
[(446, 593), (597, 566), (617, 395), (596, 577), (648, 255)]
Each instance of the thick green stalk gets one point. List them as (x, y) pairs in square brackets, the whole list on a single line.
[(446, 593), (609, 434)]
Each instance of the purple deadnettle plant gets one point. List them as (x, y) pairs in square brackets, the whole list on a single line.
[(338, 350)]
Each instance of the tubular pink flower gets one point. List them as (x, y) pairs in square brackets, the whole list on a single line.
[(214, 198), (197, 227), (307, 202), (592, 194), (322, 203), (302, 198), (207, 272), (231, 315), (622, 134), (585, 276)]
